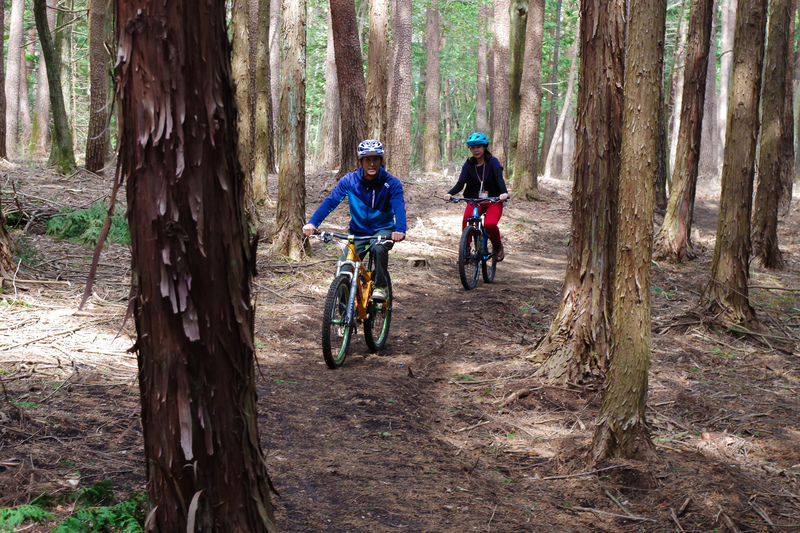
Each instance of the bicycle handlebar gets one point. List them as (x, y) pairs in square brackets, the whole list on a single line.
[(494, 199), (327, 236)]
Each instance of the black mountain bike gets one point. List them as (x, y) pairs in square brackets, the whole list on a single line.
[(476, 247)]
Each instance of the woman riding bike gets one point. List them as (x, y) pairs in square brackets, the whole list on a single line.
[(482, 175)]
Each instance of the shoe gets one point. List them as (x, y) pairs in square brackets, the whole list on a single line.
[(501, 254), (379, 294)]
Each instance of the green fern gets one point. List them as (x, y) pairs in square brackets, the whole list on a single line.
[(11, 517), (85, 225)]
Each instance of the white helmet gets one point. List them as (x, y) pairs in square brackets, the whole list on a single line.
[(370, 147)]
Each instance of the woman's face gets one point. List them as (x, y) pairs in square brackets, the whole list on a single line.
[(477, 151)]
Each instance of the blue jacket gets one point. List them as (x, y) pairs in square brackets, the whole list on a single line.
[(374, 205)]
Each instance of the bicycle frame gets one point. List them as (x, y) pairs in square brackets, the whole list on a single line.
[(361, 290), (477, 220)]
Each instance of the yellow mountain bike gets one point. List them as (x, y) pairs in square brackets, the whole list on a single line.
[(350, 302)]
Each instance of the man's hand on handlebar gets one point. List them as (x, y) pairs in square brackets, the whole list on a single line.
[(309, 230), (397, 236)]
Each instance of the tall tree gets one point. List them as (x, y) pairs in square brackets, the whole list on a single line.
[(192, 263), (377, 69), (518, 13), (788, 137), (500, 104), (398, 155), (726, 30), (275, 60), (61, 154), (352, 88), (674, 238), (621, 429), (40, 131), (97, 136), (709, 164), (3, 153), (770, 158), (14, 70), (481, 118), (240, 61), (24, 99), (291, 209), (331, 117), (558, 133), (526, 168), (263, 151), (576, 346), (727, 292), (433, 113), (6, 246), (448, 123), (551, 116), (676, 90)]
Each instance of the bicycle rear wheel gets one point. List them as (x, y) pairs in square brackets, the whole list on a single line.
[(468, 258), (489, 266), (335, 332), (379, 318)]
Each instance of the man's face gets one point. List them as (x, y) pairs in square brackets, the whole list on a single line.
[(371, 165)]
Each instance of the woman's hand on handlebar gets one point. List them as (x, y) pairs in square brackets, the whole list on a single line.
[(309, 230), (503, 197), (447, 197)]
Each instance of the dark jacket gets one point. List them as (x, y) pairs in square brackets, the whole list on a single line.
[(490, 172), (374, 205)]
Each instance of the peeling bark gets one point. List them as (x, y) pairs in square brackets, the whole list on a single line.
[(192, 266)]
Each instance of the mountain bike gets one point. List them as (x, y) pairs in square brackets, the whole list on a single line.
[(350, 302), (476, 247)]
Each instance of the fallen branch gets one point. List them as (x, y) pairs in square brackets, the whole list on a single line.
[(674, 517), (579, 474), (38, 282), (64, 332), (615, 515), (513, 397)]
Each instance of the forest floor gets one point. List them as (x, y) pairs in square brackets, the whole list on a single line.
[(418, 438)]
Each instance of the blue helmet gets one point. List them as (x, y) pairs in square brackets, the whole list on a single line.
[(476, 139), (370, 147)]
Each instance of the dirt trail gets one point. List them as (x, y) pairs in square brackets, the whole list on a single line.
[(415, 439)]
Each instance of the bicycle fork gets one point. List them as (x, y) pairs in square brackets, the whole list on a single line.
[(351, 302)]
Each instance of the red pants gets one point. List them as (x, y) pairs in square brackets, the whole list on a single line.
[(493, 211)]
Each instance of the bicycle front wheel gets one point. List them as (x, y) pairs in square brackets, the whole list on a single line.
[(489, 266), (335, 331), (468, 257), (379, 318)]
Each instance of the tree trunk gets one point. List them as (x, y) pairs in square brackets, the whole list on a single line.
[(417, 146), (662, 168), (551, 117), (448, 124), (621, 429), (192, 263), (3, 153), (291, 209), (24, 100), (770, 158), (433, 114), (263, 151), (398, 155), (352, 88), (550, 169), (240, 62), (788, 137), (7, 266), (674, 239), (500, 103), (481, 118), (518, 20), (677, 96), (527, 164), (727, 26), (709, 163), (377, 69), (40, 122), (97, 136), (275, 64), (576, 346), (14, 65), (727, 292), (331, 129), (61, 154)]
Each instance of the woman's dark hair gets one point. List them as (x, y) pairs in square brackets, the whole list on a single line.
[(487, 155)]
